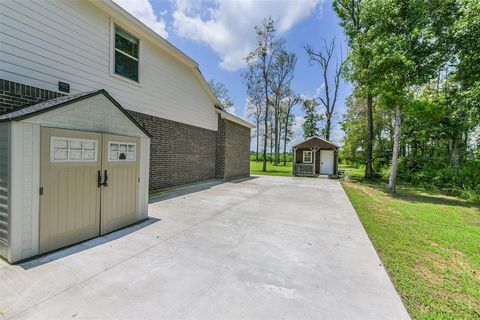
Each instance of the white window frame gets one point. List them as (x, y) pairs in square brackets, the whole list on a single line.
[(311, 156), (52, 149), (115, 75), (122, 142)]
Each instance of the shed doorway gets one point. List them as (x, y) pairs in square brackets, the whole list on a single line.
[(326, 161), (89, 185)]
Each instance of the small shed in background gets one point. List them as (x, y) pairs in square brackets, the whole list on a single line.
[(315, 156), (71, 168)]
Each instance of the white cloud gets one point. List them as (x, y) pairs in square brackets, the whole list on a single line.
[(227, 26), (319, 90), (143, 11)]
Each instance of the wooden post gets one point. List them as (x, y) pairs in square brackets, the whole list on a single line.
[(314, 151), (294, 159)]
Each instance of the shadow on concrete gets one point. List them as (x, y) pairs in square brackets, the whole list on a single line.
[(34, 262), (170, 193)]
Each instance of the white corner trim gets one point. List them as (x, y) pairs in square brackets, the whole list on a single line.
[(231, 117)]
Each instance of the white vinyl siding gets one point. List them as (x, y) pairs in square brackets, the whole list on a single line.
[(43, 42)]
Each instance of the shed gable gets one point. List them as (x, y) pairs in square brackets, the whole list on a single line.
[(96, 113)]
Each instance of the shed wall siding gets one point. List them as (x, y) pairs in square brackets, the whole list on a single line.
[(96, 114), (24, 226), (44, 42), (4, 186)]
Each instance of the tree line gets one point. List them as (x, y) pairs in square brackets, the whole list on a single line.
[(271, 98), (415, 108)]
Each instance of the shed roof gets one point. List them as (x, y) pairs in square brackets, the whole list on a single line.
[(316, 142), (52, 104)]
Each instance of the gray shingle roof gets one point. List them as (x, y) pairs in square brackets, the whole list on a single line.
[(43, 106)]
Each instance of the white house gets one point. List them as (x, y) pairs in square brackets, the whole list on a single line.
[(54, 51)]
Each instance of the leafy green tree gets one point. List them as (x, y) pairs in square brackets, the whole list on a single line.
[(408, 47), (311, 117), (357, 65)]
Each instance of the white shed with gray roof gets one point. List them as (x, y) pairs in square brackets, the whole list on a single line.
[(71, 168)]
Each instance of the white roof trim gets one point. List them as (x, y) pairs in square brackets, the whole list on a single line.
[(231, 117), (113, 9), (336, 145)]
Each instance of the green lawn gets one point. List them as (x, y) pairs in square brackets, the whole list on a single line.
[(280, 170), (429, 243)]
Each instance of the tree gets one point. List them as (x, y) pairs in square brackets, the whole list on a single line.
[(311, 117), (408, 49), (260, 62), (222, 94), (282, 75), (324, 58), (358, 63), (289, 120), (255, 104)]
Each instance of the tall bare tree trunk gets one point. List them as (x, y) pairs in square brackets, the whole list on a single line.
[(396, 147), (279, 145), (327, 129), (271, 142), (258, 138), (285, 137), (368, 166), (277, 134)]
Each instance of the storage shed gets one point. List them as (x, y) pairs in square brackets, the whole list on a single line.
[(71, 168), (315, 156)]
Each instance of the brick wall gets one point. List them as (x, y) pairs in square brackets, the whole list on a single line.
[(15, 95), (179, 153), (237, 150), (220, 151), (233, 150)]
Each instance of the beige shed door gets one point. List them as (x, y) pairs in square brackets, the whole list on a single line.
[(120, 164), (70, 203), (89, 185)]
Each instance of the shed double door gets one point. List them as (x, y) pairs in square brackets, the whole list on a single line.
[(89, 185)]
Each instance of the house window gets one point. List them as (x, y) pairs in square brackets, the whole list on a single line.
[(120, 151), (307, 156), (73, 150), (126, 54)]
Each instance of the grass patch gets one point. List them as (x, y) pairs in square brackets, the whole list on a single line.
[(280, 170), (428, 242)]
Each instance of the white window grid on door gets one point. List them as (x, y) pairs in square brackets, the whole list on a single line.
[(66, 149), (116, 149)]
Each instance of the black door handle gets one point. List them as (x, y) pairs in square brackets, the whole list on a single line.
[(105, 181), (99, 179)]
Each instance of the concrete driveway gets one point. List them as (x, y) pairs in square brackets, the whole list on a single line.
[(261, 248)]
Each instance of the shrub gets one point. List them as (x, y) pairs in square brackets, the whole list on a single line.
[(463, 181)]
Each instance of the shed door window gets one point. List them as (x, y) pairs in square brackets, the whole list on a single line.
[(73, 150), (126, 54), (118, 151), (307, 156)]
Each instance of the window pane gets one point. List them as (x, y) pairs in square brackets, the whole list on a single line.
[(126, 66), (126, 42)]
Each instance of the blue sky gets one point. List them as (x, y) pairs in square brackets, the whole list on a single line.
[(219, 34)]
